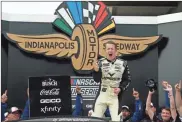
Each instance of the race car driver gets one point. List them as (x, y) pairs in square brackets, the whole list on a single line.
[(114, 75)]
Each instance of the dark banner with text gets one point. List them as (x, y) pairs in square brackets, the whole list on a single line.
[(89, 89), (50, 96)]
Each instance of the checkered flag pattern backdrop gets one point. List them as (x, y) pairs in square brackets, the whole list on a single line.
[(83, 12), (89, 11), (64, 13)]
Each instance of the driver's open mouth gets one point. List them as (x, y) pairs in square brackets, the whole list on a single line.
[(110, 54)]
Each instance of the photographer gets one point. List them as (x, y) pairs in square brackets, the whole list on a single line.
[(167, 114)]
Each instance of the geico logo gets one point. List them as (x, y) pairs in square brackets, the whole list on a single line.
[(58, 100), (88, 106)]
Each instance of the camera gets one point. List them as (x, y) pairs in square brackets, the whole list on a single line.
[(151, 84)]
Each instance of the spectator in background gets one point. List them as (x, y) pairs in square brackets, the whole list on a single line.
[(146, 117), (167, 101), (79, 103), (167, 104), (178, 98), (13, 113), (26, 110), (137, 116), (4, 99), (167, 114)]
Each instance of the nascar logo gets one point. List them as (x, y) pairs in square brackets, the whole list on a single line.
[(89, 87)]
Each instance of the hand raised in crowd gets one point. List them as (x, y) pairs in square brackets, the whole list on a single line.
[(135, 94), (168, 88), (178, 86), (96, 66), (164, 84), (4, 97), (78, 89)]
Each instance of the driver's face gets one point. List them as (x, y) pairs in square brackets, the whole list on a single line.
[(111, 52)]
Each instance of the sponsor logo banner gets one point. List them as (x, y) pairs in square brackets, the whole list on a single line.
[(89, 90), (50, 95)]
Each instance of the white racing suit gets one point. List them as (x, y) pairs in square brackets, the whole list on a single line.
[(111, 75)]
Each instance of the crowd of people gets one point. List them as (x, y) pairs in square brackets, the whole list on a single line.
[(143, 112)]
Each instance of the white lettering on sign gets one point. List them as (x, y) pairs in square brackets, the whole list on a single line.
[(89, 106), (49, 82), (54, 91), (73, 106), (50, 109), (58, 100), (89, 88), (85, 91), (89, 82)]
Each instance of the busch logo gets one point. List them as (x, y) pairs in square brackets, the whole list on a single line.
[(54, 91), (49, 82)]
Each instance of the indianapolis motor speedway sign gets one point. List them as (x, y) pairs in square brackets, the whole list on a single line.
[(84, 26)]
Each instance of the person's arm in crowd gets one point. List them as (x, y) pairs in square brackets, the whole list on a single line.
[(25, 115), (126, 79), (78, 106), (4, 99), (172, 103), (97, 74), (138, 114), (167, 102), (148, 105), (178, 98)]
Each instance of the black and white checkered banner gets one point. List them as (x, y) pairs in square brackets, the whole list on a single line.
[(89, 11)]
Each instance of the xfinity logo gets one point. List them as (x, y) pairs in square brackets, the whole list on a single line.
[(58, 100), (50, 109)]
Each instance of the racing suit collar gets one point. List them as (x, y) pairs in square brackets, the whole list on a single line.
[(111, 61)]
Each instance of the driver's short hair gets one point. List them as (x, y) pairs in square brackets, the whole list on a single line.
[(111, 42)]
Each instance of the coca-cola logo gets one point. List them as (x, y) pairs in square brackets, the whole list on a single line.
[(54, 91)]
